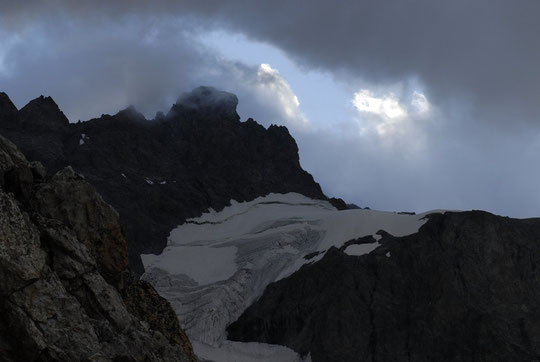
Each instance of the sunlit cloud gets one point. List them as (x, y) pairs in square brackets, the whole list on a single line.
[(276, 90), (387, 106), (420, 103), (396, 120)]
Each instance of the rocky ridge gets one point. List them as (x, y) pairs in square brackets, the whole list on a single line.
[(67, 292), (158, 173), (464, 288)]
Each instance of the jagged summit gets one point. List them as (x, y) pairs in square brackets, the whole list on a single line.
[(158, 173), (6, 104), (41, 115), (132, 114), (8, 111), (207, 102)]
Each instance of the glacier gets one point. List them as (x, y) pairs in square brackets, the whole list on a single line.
[(216, 265)]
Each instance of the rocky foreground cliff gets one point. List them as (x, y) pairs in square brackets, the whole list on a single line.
[(157, 173), (466, 287), (66, 290)]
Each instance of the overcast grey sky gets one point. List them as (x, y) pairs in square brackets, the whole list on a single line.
[(396, 105)]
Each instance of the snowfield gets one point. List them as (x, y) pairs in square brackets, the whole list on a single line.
[(216, 265)]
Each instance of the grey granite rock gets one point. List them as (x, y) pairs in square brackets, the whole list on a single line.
[(64, 278)]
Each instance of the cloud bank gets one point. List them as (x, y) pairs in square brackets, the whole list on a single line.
[(443, 95)]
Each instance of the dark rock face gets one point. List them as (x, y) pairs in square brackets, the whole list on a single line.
[(146, 304), (158, 173), (204, 103), (94, 222), (39, 129), (338, 203), (8, 112), (42, 115), (464, 288), (66, 292)]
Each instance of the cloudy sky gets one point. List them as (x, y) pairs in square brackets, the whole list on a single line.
[(396, 105)]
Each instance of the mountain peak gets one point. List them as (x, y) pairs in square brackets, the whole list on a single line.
[(206, 101), (8, 112), (6, 103), (42, 114), (132, 114)]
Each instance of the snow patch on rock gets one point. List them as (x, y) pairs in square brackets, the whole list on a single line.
[(361, 249), (83, 138), (247, 352)]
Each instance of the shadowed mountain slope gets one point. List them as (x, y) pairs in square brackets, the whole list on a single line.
[(158, 173), (464, 288)]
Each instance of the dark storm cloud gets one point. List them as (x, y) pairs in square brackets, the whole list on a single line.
[(483, 52), (91, 64), (476, 61), (103, 67)]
